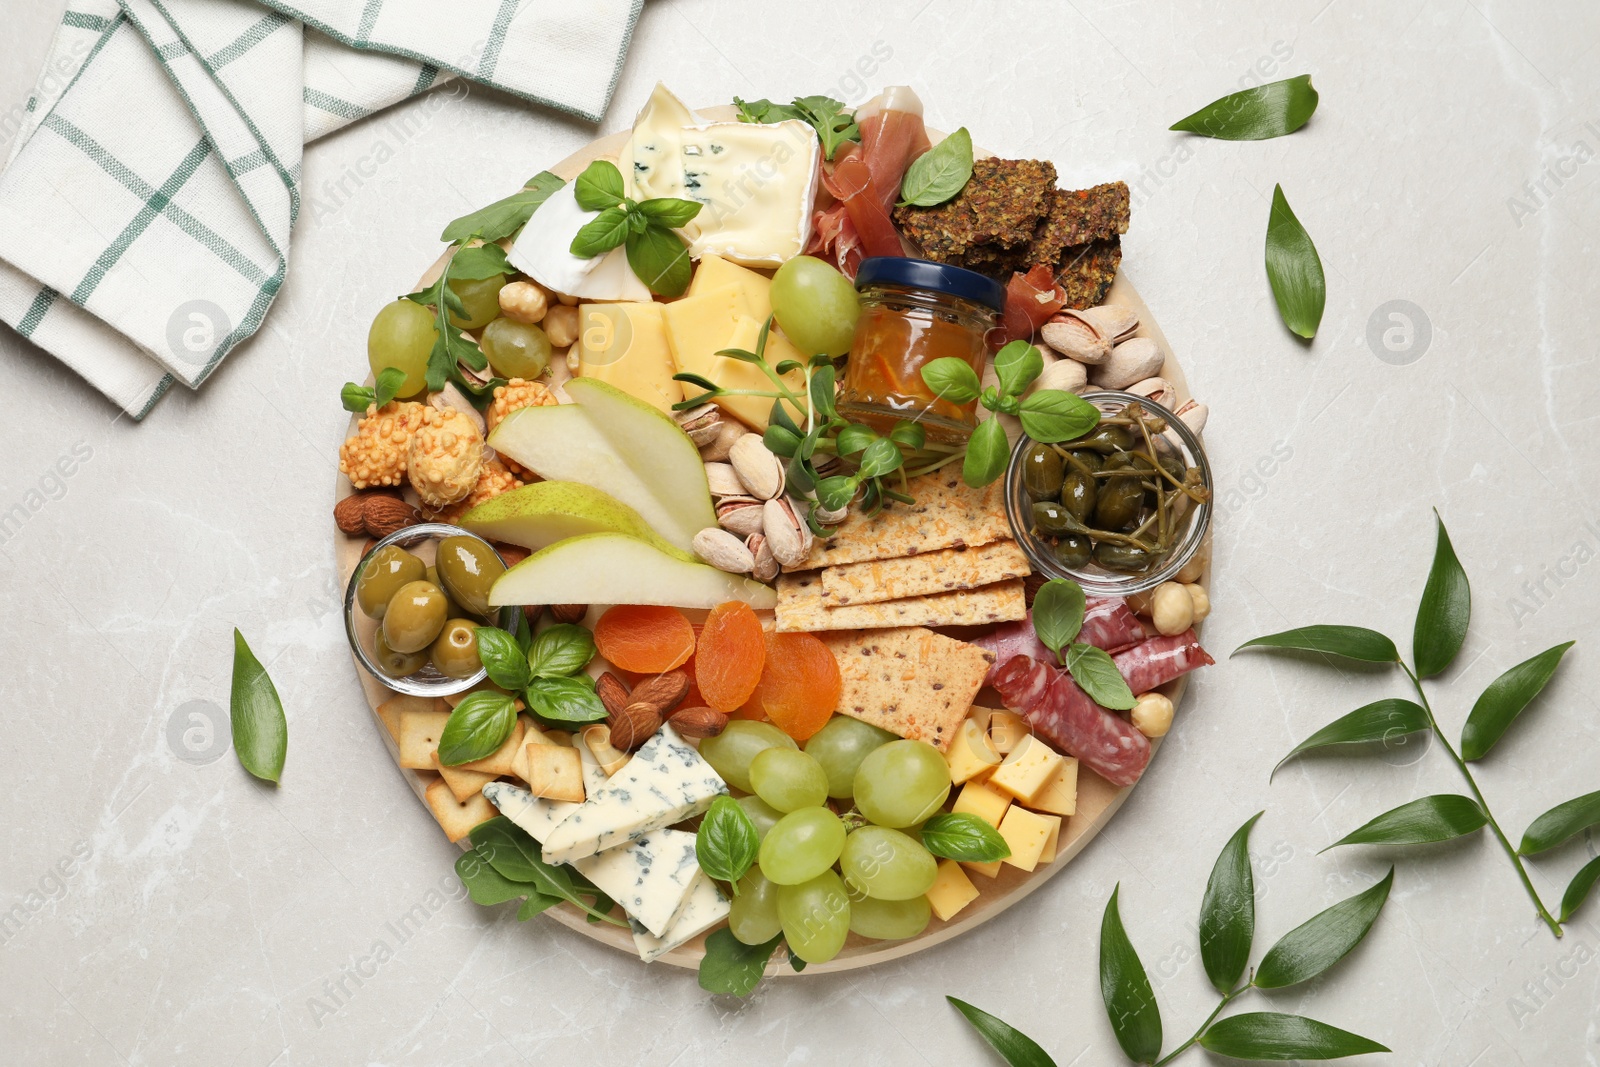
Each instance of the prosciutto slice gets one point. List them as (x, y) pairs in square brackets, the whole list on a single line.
[(1160, 660), (866, 177), (1063, 716), (1031, 299), (1107, 624)]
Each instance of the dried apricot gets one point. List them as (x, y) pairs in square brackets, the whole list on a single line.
[(730, 655), (800, 686), (645, 639)]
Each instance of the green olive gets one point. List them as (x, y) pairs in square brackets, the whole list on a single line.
[(455, 651), (415, 615), (468, 568), (1124, 558), (1108, 439), (1118, 504), (1078, 493), (1041, 472), (1051, 519), (1074, 551), (397, 664), (452, 610), (383, 576)]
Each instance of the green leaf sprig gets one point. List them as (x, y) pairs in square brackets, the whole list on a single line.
[(939, 173), (726, 842), (834, 125), (963, 837), (1255, 114), (657, 255), (255, 714), (452, 347), (1441, 628), (357, 398), (1058, 610), (503, 218), (1294, 269), (506, 863)]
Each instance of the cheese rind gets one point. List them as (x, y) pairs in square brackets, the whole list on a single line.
[(652, 160), (543, 251), (704, 906), (650, 877)]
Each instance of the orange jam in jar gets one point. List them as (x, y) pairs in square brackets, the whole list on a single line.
[(913, 312)]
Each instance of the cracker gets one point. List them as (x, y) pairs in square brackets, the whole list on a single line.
[(554, 773), (419, 738), (1078, 216), (1087, 271), (1001, 204), (803, 608), (909, 681), (456, 817), (947, 514), (462, 783), (944, 571), (502, 759), (389, 711)]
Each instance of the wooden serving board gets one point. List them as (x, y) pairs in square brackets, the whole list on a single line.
[(1098, 800)]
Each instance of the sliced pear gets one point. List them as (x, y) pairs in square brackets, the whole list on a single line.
[(613, 568), (538, 515)]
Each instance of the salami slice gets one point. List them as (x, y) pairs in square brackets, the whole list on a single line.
[(1160, 660), (1107, 624), (1063, 716)]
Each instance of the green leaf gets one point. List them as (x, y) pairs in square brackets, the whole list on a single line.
[(1444, 612), (670, 211), (1436, 818), (1058, 610), (1255, 114), (1349, 642), (1560, 823), (599, 186), (260, 732), (601, 234), (565, 700), (562, 650), (764, 111), (1382, 720), (516, 856), (661, 260), (881, 457), (828, 117), (1270, 1035), (1294, 269), (356, 398), (855, 438), (1228, 912), (727, 842), (503, 658), (1324, 939), (538, 904), (987, 452), (1014, 1046), (939, 173), (963, 837), (795, 962), (1017, 365), (487, 886), (823, 386), (1505, 699), (953, 379), (731, 966), (1578, 888), (389, 381), (1125, 988), (780, 442), (505, 217), (1096, 674), (912, 435), (836, 491), (1055, 415), (475, 264), (477, 727)]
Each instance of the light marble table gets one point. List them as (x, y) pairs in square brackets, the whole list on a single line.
[(205, 918)]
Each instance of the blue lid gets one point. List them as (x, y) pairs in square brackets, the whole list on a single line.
[(939, 277)]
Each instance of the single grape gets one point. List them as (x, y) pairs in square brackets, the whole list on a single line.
[(840, 746), (889, 920), (516, 349), (816, 917), (902, 783), (803, 845), (753, 917), (731, 751), (816, 306), (402, 337), (886, 864), (788, 780), (764, 815), (480, 297)]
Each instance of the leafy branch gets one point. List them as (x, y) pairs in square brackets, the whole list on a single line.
[(657, 255)]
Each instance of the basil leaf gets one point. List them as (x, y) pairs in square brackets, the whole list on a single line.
[(1561, 822), (1382, 720), (823, 386), (389, 381), (565, 700), (601, 234), (727, 842), (1228, 912), (515, 855), (1096, 673), (504, 217), (1444, 612), (477, 727), (1125, 988), (1350, 642), (939, 173), (952, 379), (1294, 269), (1505, 699), (637, 223), (524, 633), (255, 714), (485, 885), (1058, 610), (669, 211), (855, 438), (836, 491), (476, 263), (964, 837), (503, 658), (1257, 113), (912, 435), (1324, 939), (599, 186), (564, 649), (987, 452), (356, 398), (1014, 1046), (881, 457), (1578, 888), (1270, 1035), (1055, 415), (661, 260), (1017, 365), (733, 967), (1009, 405), (1441, 817)]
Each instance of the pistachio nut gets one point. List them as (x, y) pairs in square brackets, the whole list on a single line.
[(758, 469), (722, 480), (1193, 413), (1131, 361), (1075, 338), (1115, 322), (701, 423), (740, 515), (1157, 391), (766, 567), (723, 551), (787, 535), (717, 449), (1065, 374)]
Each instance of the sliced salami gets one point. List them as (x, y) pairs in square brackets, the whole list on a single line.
[(1160, 660), (1064, 717), (1107, 624)]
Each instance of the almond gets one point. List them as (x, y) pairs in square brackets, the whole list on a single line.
[(348, 514), (699, 722), (512, 554), (386, 514), (569, 613), (636, 724), (613, 692), (663, 692)]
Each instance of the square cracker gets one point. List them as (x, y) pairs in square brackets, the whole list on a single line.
[(947, 514), (457, 818), (390, 710), (419, 744), (463, 784), (803, 608), (944, 571), (909, 681)]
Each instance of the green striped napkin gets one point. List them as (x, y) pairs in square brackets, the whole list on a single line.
[(146, 206)]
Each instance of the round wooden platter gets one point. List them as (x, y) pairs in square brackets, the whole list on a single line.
[(1098, 800)]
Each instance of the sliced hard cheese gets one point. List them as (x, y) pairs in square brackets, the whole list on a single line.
[(1027, 833), (1060, 794), (543, 251), (1027, 769), (626, 345), (703, 908), (698, 327), (757, 184), (952, 890), (650, 877), (714, 272), (971, 753)]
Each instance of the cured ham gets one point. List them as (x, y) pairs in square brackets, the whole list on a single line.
[(866, 177), (834, 238), (1031, 299), (1107, 624), (1065, 718), (1160, 660)]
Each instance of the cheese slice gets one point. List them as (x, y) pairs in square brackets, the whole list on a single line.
[(714, 272), (757, 184), (652, 160), (626, 345), (698, 327), (543, 251), (538, 815), (651, 877), (703, 908)]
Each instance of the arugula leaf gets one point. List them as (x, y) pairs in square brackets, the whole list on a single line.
[(477, 262), (1294, 270), (255, 714), (564, 649), (764, 111), (504, 217), (477, 727), (726, 842), (1096, 673), (1228, 912), (661, 260), (599, 186), (824, 114), (1058, 610), (1014, 1046), (601, 234), (515, 855), (963, 837), (733, 967), (1257, 113), (565, 700), (939, 173)]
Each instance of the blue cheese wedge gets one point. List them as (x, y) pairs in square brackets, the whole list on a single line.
[(536, 815), (652, 160), (665, 782), (757, 184), (650, 877), (543, 251), (704, 907)]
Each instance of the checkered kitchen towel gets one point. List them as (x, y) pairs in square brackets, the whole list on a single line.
[(146, 209)]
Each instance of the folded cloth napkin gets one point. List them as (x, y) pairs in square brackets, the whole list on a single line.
[(146, 208)]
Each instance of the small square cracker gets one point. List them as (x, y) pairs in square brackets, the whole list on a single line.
[(909, 681), (457, 818)]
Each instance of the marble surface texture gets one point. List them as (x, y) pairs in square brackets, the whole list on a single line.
[(203, 918)]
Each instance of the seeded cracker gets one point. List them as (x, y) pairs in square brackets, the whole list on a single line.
[(909, 681), (1087, 271), (946, 571), (802, 608), (1078, 216), (1001, 205), (948, 513)]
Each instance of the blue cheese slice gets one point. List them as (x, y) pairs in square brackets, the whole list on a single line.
[(652, 160), (536, 815), (543, 251), (704, 907), (650, 877), (757, 184), (665, 782)]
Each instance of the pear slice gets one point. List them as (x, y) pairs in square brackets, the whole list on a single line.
[(538, 515), (613, 568)]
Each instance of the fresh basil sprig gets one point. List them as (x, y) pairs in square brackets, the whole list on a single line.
[(963, 837), (1255, 114), (1294, 269), (939, 173), (255, 714), (655, 253), (477, 727), (503, 658), (565, 700), (726, 842), (545, 669), (503, 218), (834, 125), (733, 967), (564, 649), (357, 398), (1057, 617)]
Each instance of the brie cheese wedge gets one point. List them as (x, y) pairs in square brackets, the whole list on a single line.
[(543, 251)]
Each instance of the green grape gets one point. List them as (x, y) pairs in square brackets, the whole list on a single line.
[(480, 297), (516, 349), (886, 864), (753, 917), (816, 917), (840, 746), (788, 780), (764, 815), (731, 751), (803, 845), (889, 920), (402, 337), (902, 783), (816, 306)]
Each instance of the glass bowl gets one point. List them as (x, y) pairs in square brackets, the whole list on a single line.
[(427, 682), (1095, 579)]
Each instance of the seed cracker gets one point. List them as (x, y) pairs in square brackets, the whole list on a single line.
[(947, 514), (1087, 271), (1001, 204), (944, 571), (803, 609), (909, 681)]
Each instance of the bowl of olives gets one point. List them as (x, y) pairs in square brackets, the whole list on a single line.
[(414, 605), (1119, 510)]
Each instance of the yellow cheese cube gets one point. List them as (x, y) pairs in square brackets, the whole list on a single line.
[(714, 272), (971, 753), (625, 345), (952, 890), (1051, 843), (980, 800), (700, 326), (1060, 794), (1027, 770), (1006, 730), (988, 870), (1026, 832)]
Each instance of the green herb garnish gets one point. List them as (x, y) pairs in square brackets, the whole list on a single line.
[(963, 837), (733, 967), (939, 173), (657, 255), (1255, 114), (255, 714), (726, 842), (1057, 617), (516, 857), (477, 727), (503, 218), (1294, 269), (451, 346), (357, 398), (834, 125)]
